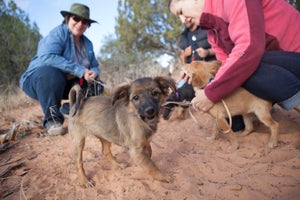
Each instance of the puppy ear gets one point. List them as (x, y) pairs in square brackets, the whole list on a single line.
[(75, 98), (165, 83), (121, 93), (215, 65), (197, 81)]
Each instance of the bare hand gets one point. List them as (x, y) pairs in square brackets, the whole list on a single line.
[(203, 53), (200, 102), (188, 51), (89, 75), (186, 77)]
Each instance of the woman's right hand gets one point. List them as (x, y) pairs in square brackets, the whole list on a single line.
[(89, 75)]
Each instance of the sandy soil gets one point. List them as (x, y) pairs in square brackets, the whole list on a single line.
[(37, 166)]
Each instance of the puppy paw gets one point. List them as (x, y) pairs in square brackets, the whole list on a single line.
[(233, 147), (211, 138), (87, 184), (120, 166), (272, 144), (164, 178)]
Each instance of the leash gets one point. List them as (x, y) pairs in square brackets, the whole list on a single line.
[(99, 82), (188, 104), (184, 104), (229, 116), (95, 82), (179, 103)]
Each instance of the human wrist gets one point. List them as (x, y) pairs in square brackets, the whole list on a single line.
[(208, 53)]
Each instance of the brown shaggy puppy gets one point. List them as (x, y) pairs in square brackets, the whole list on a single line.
[(128, 118), (240, 102)]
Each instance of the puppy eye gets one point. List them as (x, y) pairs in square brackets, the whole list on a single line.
[(136, 97), (155, 93)]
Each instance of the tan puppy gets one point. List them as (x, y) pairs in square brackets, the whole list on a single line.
[(240, 102), (128, 118)]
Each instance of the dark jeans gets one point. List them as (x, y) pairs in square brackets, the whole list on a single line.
[(49, 86), (277, 80)]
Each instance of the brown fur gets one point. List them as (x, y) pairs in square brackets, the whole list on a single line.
[(128, 118), (240, 102)]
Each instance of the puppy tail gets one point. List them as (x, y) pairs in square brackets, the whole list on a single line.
[(75, 98)]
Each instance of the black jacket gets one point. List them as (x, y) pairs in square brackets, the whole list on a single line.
[(196, 39)]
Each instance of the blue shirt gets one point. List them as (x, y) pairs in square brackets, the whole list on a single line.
[(57, 50)]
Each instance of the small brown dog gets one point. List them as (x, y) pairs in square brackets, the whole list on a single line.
[(128, 118), (240, 102)]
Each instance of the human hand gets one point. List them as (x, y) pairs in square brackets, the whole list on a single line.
[(203, 53), (89, 75), (188, 51), (200, 102), (186, 77)]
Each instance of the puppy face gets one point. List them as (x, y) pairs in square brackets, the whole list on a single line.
[(201, 72), (144, 97)]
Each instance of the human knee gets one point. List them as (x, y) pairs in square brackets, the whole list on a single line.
[(273, 83), (51, 77)]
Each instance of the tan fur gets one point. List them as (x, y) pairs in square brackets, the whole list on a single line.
[(240, 102), (127, 118), (106, 92)]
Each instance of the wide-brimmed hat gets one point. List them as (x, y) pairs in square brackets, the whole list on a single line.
[(79, 10)]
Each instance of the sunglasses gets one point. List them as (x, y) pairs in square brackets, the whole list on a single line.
[(83, 21)]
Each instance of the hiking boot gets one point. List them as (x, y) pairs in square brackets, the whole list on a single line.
[(55, 128)]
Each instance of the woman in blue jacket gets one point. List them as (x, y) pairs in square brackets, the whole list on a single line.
[(64, 57)]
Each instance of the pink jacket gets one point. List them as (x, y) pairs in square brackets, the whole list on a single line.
[(240, 31)]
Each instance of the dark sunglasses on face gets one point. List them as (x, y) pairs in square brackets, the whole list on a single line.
[(83, 21)]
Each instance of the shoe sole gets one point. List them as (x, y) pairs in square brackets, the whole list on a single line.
[(54, 131)]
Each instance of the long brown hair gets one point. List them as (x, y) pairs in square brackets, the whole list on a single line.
[(66, 19)]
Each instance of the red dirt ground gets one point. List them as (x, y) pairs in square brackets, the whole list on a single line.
[(41, 167)]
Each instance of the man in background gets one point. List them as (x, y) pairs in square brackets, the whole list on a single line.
[(194, 44)]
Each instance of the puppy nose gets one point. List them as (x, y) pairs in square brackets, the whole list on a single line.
[(150, 111)]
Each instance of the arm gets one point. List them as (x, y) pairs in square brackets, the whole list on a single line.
[(94, 65), (187, 52), (55, 50), (182, 57), (246, 30), (186, 49)]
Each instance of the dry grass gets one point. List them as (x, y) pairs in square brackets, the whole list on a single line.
[(12, 97), (114, 75)]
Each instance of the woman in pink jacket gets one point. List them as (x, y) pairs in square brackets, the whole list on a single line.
[(257, 42)]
